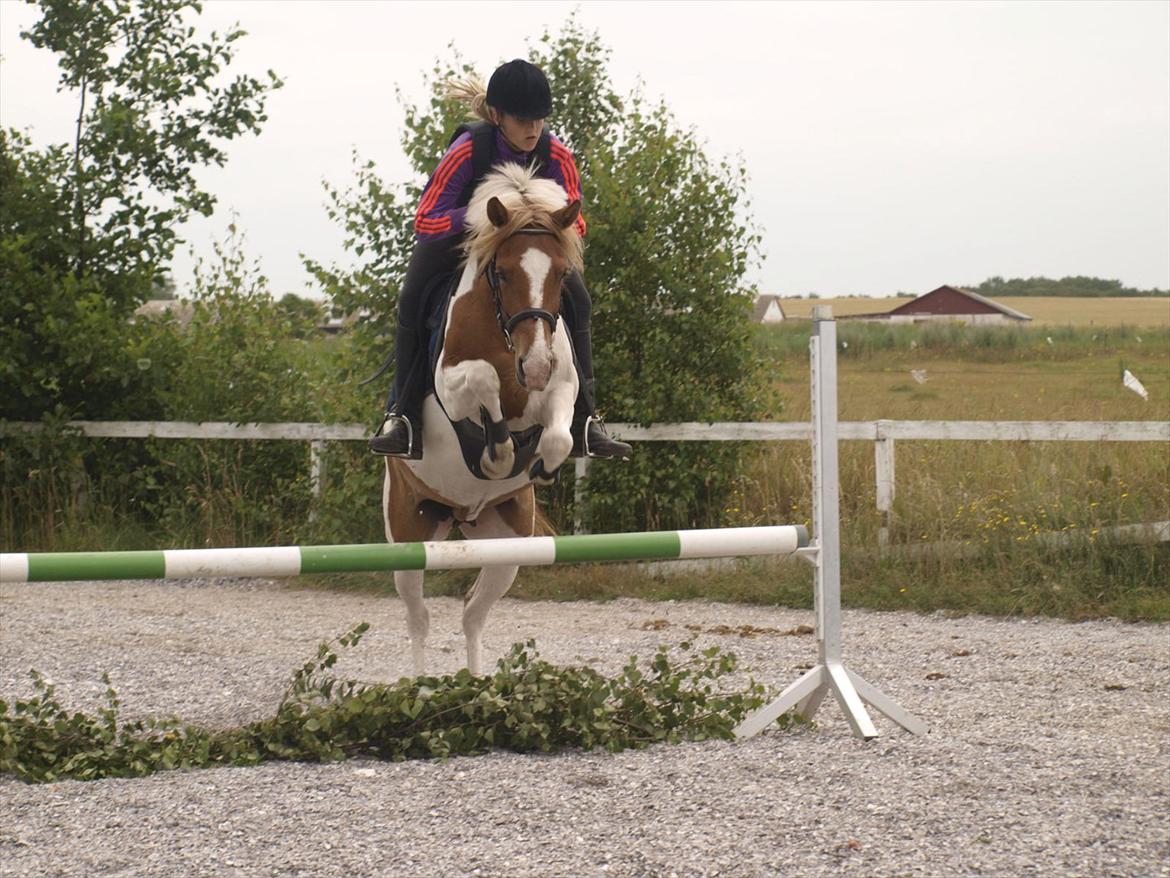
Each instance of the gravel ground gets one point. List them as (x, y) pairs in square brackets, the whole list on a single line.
[(1048, 752)]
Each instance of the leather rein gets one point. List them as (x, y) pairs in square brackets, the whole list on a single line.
[(508, 322)]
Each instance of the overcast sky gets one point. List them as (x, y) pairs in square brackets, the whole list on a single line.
[(890, 146)]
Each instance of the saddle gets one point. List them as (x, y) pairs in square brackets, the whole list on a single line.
[(472, 436)]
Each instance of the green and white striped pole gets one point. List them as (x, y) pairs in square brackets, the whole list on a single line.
[(447, 555)]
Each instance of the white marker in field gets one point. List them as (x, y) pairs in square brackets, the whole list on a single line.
[(919, 375), (1128, 379)]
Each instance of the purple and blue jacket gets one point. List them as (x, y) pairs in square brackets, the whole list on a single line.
[(440, 215)]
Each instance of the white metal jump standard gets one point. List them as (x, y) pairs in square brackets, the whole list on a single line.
[(824, 552)]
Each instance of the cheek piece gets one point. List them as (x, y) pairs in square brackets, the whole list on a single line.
[(508, 322)]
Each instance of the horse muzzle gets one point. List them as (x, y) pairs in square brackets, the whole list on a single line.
[(535, 367), (534, 372)]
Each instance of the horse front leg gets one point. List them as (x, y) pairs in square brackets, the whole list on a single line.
[(499, 453), (471, 389), (556, 441)]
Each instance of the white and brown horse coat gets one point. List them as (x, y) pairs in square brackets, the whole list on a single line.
[(479, 378)]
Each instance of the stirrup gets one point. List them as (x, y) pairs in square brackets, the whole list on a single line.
[(587, 452), (410, 452)]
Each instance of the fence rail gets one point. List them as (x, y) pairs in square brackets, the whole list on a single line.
[(694, 431), (882, 433)]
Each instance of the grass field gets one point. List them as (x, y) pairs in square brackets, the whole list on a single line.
[(985, 373), (1088, 388), (1044, 310)]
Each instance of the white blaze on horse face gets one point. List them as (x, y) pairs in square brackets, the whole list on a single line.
[(538, 360), (536, 264)]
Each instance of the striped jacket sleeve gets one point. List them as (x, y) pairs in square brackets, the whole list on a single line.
[(564, 170), (439, 214)]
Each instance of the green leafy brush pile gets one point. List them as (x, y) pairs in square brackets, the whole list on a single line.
[(526, 705)]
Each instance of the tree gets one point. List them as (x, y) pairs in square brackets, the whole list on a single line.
[(1087, 287), (668, 246), (88, 226), (303, 315)]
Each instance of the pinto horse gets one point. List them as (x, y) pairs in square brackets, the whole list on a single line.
[(504, 389)]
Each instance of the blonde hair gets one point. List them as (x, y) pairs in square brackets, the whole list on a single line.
[(530, 200), (470, 91)]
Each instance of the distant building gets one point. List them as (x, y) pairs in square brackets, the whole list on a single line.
[(768, 310), (333, 324), (156, 309), (947, 304)]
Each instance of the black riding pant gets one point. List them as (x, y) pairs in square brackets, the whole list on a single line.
[(432, 260)]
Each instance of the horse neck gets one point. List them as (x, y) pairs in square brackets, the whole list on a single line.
[(473, 331)]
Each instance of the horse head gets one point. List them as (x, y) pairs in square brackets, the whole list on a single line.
[(506, 364), (525, 275)]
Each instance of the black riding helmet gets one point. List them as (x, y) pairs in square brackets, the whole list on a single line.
[(520, 89)]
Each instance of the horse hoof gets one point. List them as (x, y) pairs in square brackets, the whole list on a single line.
[(501, 466), (541, 476), (554, 449)]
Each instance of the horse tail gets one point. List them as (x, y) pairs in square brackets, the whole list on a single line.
[(470, 91), (542, 527)]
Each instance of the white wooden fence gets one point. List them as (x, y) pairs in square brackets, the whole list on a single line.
[(883, 434)]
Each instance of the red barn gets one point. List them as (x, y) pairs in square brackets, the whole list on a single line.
[(949, 304)]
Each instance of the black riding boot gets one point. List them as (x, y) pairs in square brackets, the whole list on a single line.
[(401, 432), (589, 436)]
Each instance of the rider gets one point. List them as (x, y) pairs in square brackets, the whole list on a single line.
[(516, 103)]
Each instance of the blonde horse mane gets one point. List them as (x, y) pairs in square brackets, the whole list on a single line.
[(531, 201)]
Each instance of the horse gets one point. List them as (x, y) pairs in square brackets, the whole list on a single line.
[(497, 421)]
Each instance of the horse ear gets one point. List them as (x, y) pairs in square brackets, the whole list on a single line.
[(497, 213), (567, 215)]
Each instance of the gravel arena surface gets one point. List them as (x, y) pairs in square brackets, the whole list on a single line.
[(1048, 755)]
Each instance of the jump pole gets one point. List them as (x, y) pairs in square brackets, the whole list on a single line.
[(830, 673), (432, 555)]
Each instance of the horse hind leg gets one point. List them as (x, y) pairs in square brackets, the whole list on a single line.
[(406, 521), (409, 584), (492, 583)]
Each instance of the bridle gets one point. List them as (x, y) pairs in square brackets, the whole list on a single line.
[(508, 322)]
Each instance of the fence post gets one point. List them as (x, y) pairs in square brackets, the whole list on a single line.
[(883, 459), (316, 475), (580, 471)]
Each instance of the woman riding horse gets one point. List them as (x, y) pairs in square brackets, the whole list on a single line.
[(516, 102)]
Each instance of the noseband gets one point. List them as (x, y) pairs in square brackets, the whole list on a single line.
[(508, 322)]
